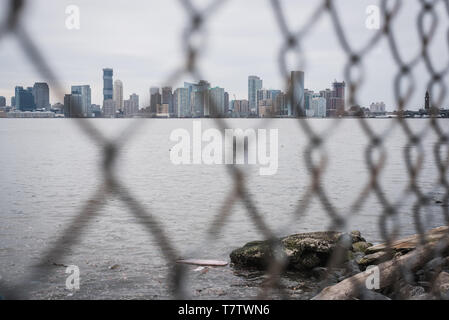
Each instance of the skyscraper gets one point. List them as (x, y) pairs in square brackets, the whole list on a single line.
[(337, 101), (427, 101), (107, 84), (73, 106), (199, 99), (118, 94), (41, 95), (2, 101), (167, 98), (226, 103), (254, 84), (181, 102), (24, 99), (296, 94), (216, 102), (155, 99), (85, 109)]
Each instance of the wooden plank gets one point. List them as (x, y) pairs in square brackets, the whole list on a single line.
[(201, 262)]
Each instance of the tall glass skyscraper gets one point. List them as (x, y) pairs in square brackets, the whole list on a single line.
[(85, 109), (108, 89), (254, 84), (296, 101), (41, 95)]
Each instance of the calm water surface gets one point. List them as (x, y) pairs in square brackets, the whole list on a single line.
[(49, 168)]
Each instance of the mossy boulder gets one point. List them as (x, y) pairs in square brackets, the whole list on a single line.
[(303, 251)]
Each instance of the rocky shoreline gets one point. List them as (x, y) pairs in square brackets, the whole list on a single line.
[(338, 261)]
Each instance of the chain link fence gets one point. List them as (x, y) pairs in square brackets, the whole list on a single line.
[(375, 151)]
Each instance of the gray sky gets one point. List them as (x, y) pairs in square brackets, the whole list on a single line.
[(141, 41)]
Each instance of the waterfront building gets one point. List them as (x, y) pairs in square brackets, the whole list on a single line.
[(24, 99), (108, 89), (41, 94), (254, 84), (85, 92), (118, 95), (296, 94)]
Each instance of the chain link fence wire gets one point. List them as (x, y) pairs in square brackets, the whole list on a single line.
[(315, 155)]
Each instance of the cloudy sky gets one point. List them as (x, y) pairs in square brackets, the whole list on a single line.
[(141, 41)]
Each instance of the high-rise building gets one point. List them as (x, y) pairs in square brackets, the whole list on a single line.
[(199, 99), (296, 94), (226, 103), (181, 103), (108, 89), (167, 98), (131, 106), (109, 108), (155, 99), (13, 101), (317, 107), (337, 101), (41, 94), (241, 108), (427, 101), (118, 94), (24, 99), (2, 101), (85, 108), (216, 102), (254, 84)]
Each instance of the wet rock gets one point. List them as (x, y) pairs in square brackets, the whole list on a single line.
[(303, 251), (441, 287), (373, 259), (408, 291), (361, 246)]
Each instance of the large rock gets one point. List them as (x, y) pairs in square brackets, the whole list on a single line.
[(303, 251)]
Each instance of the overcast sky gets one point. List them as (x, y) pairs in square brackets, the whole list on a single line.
[(141, 41)]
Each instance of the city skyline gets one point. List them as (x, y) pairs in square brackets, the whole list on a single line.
[(145, 54)]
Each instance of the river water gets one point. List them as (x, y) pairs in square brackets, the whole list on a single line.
[(49, 168)]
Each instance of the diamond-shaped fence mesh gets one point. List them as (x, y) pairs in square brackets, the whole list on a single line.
[(375, 150)]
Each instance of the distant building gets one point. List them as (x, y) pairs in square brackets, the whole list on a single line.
[(265, 108), (167, 98), (162, 110), (13, 101), (254, 84), (41, 94), (318, 107), (2, 101), (85, 92), (199, 99), (131, 106), (118, 94), (216, 102), (181, 103), (296, 94), (155, 99), (109, 108), (108, 89), (427, 101), (241, 108), (377, 108), (24, 99), (337, 101), (73, 106), (226, 103), (30, 114)]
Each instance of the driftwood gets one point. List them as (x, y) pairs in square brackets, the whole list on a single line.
[(350, 288)]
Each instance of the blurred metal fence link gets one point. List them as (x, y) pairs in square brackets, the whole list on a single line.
[(193, 40)]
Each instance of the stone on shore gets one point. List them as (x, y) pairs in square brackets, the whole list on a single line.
[(304, 251)]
